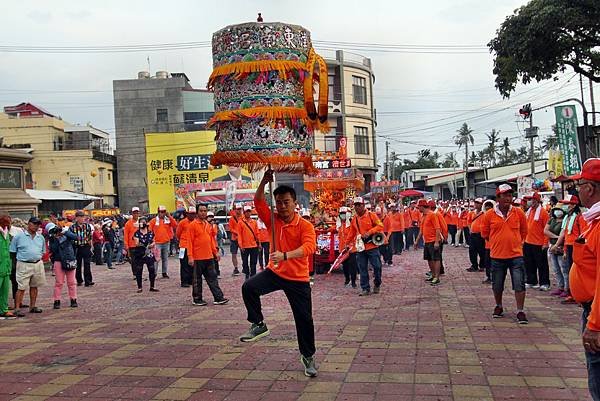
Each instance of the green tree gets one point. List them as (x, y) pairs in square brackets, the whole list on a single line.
[(522, 154), (545, 37), (463, 137), (493, 149), (450, 160), (425, 159), (472, 159)]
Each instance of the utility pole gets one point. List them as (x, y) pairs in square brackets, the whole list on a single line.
[(466, 194), (393, 174), (387, 160), (593, 104), (531, 138)]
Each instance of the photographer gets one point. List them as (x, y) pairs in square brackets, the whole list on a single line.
[(64, 261)]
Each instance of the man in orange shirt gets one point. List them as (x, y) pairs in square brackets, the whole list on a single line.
[(364, 225), (288, 270), (386, 248), (505, 227), (183, 237), (349, 265), (451, 217), (432, 237), (397, 229), (584, 277), (412, 230), (163, 226), (263, 237), (248, 242), (234, 221), (130, 228), (537, 272), (477, 244), (202, 257)]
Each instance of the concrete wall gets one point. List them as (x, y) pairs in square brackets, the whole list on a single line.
[(136, 101)]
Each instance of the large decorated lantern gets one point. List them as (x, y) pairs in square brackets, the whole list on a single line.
[(264, 91)]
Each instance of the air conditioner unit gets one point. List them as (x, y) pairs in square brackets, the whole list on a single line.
[(56, 183)]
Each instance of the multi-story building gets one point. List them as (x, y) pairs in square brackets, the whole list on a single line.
[(351, 112), (66, 157), (163, 103)]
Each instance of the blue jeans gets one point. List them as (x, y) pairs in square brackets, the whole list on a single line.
[(164, 255), (558, 264), (119, 252), (108, 254), (363, 259), (592, 360)]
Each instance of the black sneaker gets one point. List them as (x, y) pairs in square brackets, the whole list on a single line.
[(221, 302), (522, 318), (364, 293), (152, 289), (236, 272), (90, 284), (19, 313), (257, 331), (199, 302), (428, 274), (498, 312), (429, 278), (74, 303), (185, 286), (310, 369), (165, 275), (35, 309), (472, 269), (376, 290), (487, 281), (57, 304)]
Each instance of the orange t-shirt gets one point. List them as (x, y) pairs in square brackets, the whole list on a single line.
[(407, 219), (182, 233), (451, 218), (475, 219), (506, 235), (128, 232), (415, 217), (163, 233), (429, 225), (535, 229), (583, 277), (345, 240), (396, 222), (203, 243), (369, 224), (462, 219), (263, 233), (579, 226), (247, 233), (289, 237), (234, 220)]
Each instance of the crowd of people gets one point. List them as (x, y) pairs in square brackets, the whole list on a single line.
[(502, 234)]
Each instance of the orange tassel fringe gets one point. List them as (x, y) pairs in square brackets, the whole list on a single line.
[(257, 161), (245, 67), (270, 113)]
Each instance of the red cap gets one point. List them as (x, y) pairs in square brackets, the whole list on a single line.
[(570, 200), (432, 204), (590, 171), (503, 188), (422, 203)]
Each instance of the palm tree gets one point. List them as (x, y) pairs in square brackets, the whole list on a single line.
[(523, 154), (549, 143), (472, 159), (463, 137), (450, 160), (493, 148), (482, 157)]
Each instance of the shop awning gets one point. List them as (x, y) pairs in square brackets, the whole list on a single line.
[(513, 176), (47, 195)]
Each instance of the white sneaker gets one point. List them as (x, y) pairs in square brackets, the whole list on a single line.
[(527, 285), (536, 287), (544, 288)]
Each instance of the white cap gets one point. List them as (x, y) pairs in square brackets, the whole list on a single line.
[(135, 209), (479, 200), (247, 208), (50, 226), (358, 199), (305, 213), (378, 209), (162, 208), (503, 188), (392, 204), (343, 209), (368, 206), (106, 221), (191, 209), (238, 205), (210, 214)]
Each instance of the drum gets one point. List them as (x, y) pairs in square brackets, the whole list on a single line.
[(263, 82)]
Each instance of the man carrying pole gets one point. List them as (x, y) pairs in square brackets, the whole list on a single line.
[(288, 270)]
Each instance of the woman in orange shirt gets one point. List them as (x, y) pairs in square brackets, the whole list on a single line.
[(573, 226)]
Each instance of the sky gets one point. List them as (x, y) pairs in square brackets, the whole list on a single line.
[(421, 99)]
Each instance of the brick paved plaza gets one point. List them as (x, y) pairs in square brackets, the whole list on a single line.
[(411, 342)]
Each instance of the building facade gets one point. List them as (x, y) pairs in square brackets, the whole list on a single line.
[(351, 112), (66, 157), (163, 103)]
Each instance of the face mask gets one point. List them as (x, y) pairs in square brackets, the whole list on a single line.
[(558, 214), (143, 225), (565, 209), (529, 203), (343, 216)]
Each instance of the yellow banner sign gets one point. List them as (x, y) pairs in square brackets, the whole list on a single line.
[(555, 162), (174, 158)]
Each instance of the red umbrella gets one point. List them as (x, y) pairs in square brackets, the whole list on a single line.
[(411, 192)]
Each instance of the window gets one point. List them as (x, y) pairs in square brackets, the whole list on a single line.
[(162, 115), (59, 143), (361, 140), (359, 90), (101, 175), (108, 176), (331, 143)]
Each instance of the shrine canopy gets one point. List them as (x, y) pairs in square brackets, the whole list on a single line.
[(335, 180), (411, 193)]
